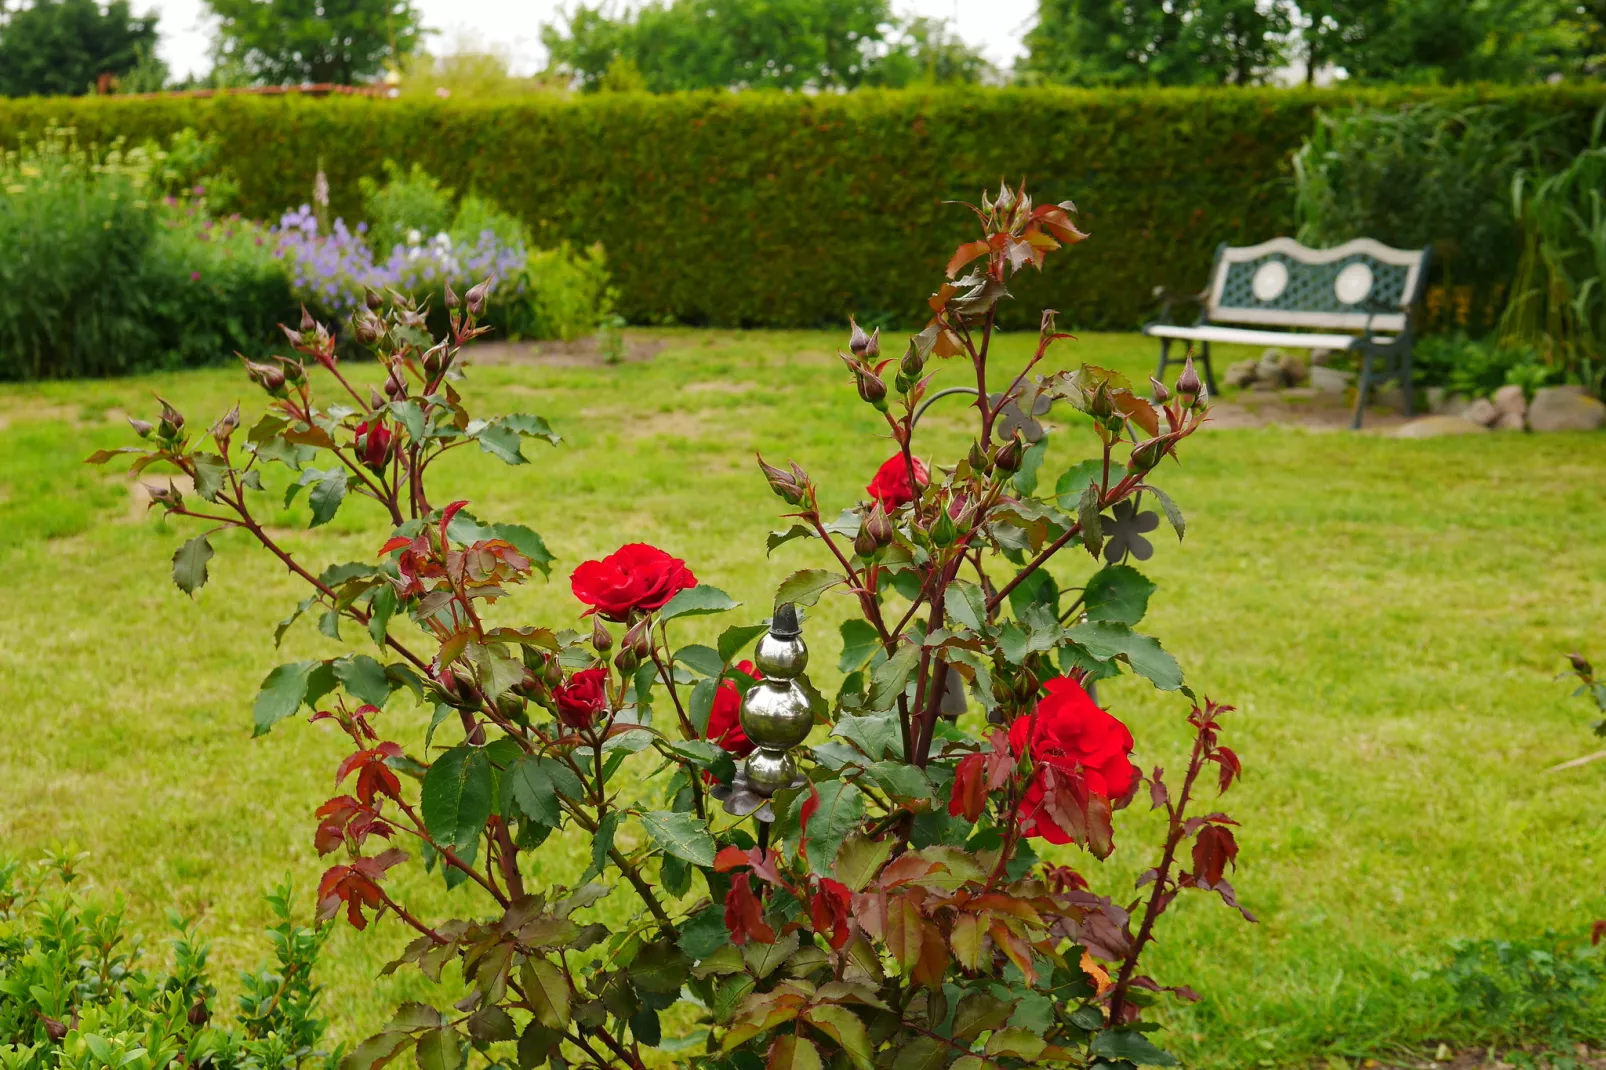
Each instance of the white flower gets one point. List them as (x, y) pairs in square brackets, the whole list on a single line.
[(413, 237)]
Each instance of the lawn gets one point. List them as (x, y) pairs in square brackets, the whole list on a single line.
[(1388, 616)]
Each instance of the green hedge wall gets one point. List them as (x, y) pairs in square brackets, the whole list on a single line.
[(770, 209)]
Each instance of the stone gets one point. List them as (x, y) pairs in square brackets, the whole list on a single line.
[(1509, 421), (1566, 408), (1456, 404), (1269, 369), (1437, 400), (1266, 386), (1390, 397), (1241, 373), (1438, 426), (1295, 368), (1321, 357), (1325, 380), (1482, 411), (1510, 398)]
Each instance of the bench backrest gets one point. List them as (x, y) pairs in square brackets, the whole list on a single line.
[(1361, 285)]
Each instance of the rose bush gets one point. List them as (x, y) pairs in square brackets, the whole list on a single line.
[(889, 907)]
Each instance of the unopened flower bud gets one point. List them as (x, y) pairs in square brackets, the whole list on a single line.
[(1161, 394), (198, 1014), (1100, 405), (435, 360), (979, 461), (294, 337), (913, 362), (307, 322), (879, 525), (142, 428), (858, 341), (871, 388), (294, 371), (269, 377), (1005, 200), (1580, 665), (373, 300), (366, 328), (375, 401), (395, 385), (1145, 455), (864, 543), (1007, 456), (54, 1029), (1188, 384), (552, 674), (601, 641), (638, 637), (944, 531), (225, 426), (1026, 685), (784, 483), (626, 661), (450, 299), (475, 298)]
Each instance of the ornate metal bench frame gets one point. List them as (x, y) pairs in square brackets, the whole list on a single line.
[(1361, 286)]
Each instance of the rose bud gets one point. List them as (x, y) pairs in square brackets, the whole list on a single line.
[(395, 385), (1007, 456), (553, 673), (871, 388), (372, 300), (879, 525), (864, 543), (858, 341), (294, 371), (294, 337), (1006, 199), (600, 639), (1580, 665), (171, 423), (638, 638), (450, 299), (375, 401), (307, 322), (225, 427), (944, 531), (1188, 384), (626, 661), (1100, 404), (142, 428), (913, 362), (434, 361), (198, 1015), (1161, 394), (1145, 455), (54, 1029), (475, 298), (366, 328), (979, 461), (782, 483), (268, 376), (374, 445)]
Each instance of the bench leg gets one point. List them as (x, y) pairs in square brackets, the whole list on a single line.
[(1210, 372), (1363, 387), (1405, 383), (1165, 359)]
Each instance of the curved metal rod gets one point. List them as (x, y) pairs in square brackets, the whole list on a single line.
[(921, 411)]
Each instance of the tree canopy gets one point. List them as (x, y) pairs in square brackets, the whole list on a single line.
[(286, 42), (63, 47), (671, 45)]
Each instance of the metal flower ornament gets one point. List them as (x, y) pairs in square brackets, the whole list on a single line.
[(899, 871)]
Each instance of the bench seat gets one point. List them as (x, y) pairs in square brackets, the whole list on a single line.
[(1245, 336)]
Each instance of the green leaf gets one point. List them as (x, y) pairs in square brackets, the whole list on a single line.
[(891, 676), (844, 1027), (281, 694), (860, 858), (438, 1050), (840, 810), (805, 586), (1030, 462), (381, 608), (498, 670), (547, 992), (1172, 513), (1075, 480), (703, 659), (1021, 1043), (527, 542), (1087, 511), (859, 643), (189, 565), (901, 780), (363, 678), (329, 624), (921, 1053), (284, 625), (978, 1012), (602, 843), (964, 602), (876, 735), (791, 1052), (683, 835), (734, 640), (702, 704), (326, 497), (1134, 1047), (209, 472), (1118, 593), (529, 426), (705, 932), (537, 783), (410, 416), (500, 441), (1038, 588), (456, 797), (660, 967), (697, 601), (778, 538), (1107, 639)]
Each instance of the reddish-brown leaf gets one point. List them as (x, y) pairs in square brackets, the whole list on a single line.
[(1213, 849), (744, 914)]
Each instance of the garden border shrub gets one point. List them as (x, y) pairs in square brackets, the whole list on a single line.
[(778, 210)]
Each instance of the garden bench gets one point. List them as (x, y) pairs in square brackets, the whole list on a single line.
[(1362, 286)]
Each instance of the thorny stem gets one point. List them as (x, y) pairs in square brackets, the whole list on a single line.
[(402, 913)]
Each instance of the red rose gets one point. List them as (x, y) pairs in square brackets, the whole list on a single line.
[(633, 577), (374, 445), (1071, 734), (582, 697), (891, 487), (725, 718)]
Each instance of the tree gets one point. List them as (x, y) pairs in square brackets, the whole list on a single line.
[(64, 47), (287, 42), (781, 44), (1137, 42)]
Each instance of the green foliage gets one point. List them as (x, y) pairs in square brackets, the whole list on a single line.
[(61, 47), (74, 994), (1477, 367), (1137, 42), (288, 42), (759, 209), (104, 276), (673, 45), (1558, 300), (1546, 988), (408, 199)]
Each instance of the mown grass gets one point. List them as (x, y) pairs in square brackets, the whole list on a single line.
[(1388, 616)]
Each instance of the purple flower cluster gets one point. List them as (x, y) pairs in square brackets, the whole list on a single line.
[(333, 271)]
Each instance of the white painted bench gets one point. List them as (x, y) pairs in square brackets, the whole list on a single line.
[(1359, 297)]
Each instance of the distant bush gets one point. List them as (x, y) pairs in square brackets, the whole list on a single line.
[(1546, 989), (1477, 367), (104, 274), (75, 993)]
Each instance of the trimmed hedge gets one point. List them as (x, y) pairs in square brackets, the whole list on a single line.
[(785, 210)]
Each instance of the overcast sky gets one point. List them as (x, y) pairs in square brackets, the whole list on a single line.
[(995, 25)]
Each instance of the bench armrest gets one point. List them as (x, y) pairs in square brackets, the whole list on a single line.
[(1168, 298)]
